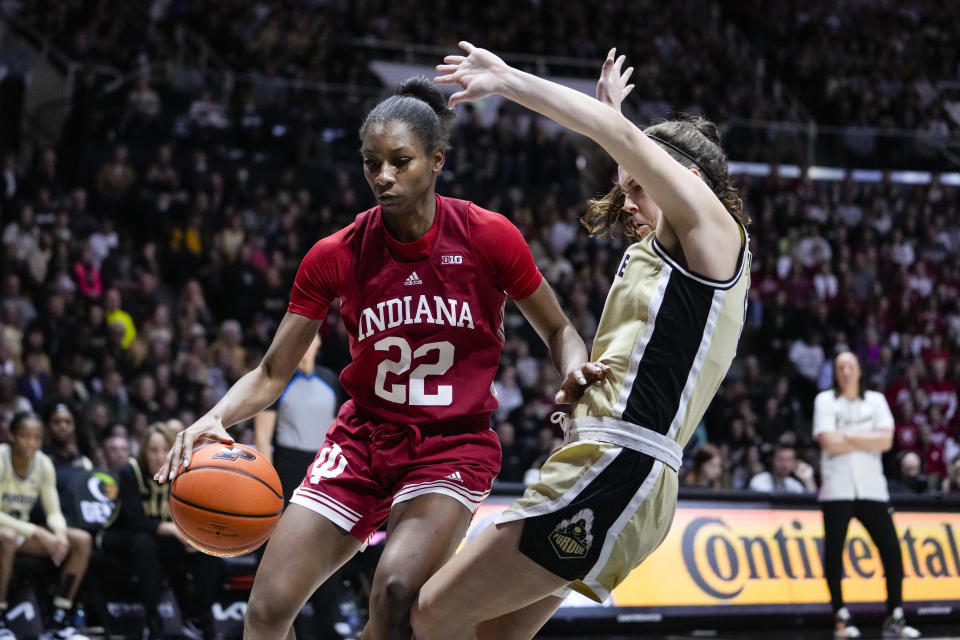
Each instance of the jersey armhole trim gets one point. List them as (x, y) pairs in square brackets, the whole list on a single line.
[(661, 251)]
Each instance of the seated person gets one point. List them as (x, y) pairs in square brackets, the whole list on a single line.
[(786, 475), (26, 476), (707, 472), (70, 464), (143, 536)]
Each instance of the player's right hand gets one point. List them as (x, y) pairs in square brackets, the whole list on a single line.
[(479, 73), (206, 428), (57, 545), (612, 87), (579, 379)]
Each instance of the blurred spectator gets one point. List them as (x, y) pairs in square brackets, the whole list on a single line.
[(951, 484), (116, 178), (143, 106), (547, 442), (115, 315), (34, 383), (11, 402), (515, 460), (707, 471), (508, 392), (786, 474), (116, 452), (909, 479)]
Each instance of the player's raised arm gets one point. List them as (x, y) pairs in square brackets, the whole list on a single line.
[(249, 395), (706, 231)]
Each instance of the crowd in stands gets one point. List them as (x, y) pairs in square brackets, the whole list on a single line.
[(706, 56), (873, 64), (690, 43), (140, 289)]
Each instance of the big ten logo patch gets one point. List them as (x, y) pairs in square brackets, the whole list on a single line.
[(451, 259), (234, 454), (572, 537)]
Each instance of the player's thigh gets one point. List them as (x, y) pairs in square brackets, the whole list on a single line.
[(489, 578), (522, 624), (422, 534), (304, 550), (33, 547)]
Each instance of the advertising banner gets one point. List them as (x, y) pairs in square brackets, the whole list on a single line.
[(720, 554)]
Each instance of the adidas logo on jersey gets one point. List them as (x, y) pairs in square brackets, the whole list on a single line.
[(454, 476), (413, 278)]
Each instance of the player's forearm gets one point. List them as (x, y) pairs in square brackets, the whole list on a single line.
[(26, 529), (669, 184), (56, 522), (567, 350), (264, 424), (248, 396)]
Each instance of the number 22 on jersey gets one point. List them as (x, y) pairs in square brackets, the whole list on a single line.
[(414, 393)]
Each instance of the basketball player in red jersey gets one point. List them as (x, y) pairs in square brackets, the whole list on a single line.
[(422, 281)]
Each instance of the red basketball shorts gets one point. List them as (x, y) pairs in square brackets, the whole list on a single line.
[(366, 466)]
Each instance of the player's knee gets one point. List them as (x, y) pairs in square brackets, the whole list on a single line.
[(8, 541), (268, 609), (429, 618), (393, 596), (422, 620), (81, 542)]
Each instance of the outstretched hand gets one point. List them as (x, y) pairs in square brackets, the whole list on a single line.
[(579, 379), (612, 87), (479, 73)]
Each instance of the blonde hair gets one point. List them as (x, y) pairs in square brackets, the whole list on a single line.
[(157, 427)]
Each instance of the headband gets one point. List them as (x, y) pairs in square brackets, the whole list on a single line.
[(683, 153)]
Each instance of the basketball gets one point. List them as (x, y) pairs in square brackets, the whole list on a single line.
[(227, 502)]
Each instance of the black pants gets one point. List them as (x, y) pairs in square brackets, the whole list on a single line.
[(877, 520), (291, 465), (151, 557)]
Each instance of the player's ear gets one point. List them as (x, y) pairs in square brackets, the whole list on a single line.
[(439, 157)]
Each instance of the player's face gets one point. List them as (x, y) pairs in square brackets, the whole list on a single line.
[(28, 439), (847, 370), (400, 172), (643, 210)]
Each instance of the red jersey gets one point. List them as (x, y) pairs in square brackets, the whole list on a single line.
[(424, 319)]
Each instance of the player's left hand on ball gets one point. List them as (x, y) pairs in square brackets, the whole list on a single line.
[(577, 380)]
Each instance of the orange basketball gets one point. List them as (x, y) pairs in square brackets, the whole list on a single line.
[(227, 501)]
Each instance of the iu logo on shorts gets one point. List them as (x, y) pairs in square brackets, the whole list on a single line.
[(330, 463), (234, 453)]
